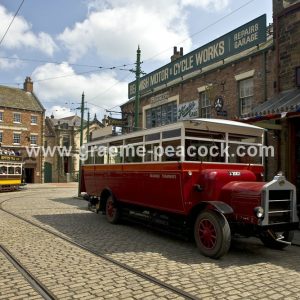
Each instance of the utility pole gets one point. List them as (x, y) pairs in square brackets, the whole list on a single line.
[(88, 128), (81, 140), (137, 89)]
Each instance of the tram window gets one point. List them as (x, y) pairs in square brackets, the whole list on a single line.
[(11, 170), (18, 170), (171, 150), (3, 170)]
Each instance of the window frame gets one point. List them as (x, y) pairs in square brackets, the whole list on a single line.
[(206, 107), (246, 95), (14, 138), (14, 118)]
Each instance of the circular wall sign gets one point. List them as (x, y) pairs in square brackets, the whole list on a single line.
[(219, 103)]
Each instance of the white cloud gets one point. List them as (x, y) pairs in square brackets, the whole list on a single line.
[(210, 5), (115, 28), (59, 111), (8, 64), (102, 89), (20, 34)]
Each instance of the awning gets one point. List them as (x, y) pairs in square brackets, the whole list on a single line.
[(285, 104)]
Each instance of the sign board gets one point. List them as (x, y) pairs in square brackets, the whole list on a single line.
[(244, 37), (117, 122), (188, 110), (10, 158)]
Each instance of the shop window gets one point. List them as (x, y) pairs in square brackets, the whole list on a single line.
[(246, 92), (161, 115), (205, 110)]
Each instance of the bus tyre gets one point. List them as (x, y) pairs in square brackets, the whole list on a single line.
[(112, 211), (269, 239), (212, 234)]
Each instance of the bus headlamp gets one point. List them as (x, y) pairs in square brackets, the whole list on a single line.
[(259, 212)]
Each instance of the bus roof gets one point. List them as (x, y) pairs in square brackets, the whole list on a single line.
[(216, 125)]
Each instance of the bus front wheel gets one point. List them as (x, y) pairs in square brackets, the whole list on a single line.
[(112, 210), (212, 234)]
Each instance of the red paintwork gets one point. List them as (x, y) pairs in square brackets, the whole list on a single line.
[(169, 186), (207, 233), (243, 197)]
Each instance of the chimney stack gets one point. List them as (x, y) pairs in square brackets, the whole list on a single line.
[(176, 54), (28, 85)]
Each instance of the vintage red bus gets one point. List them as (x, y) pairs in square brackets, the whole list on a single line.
[(212, 193)]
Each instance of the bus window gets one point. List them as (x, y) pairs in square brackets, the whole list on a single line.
[(114, 155), (150, 152), (206, 151), (132, 153), (171, 149)]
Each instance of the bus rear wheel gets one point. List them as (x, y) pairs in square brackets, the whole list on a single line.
[(112, 210), (212, 234)]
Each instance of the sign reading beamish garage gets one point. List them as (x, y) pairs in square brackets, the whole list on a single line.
[(238, 40)]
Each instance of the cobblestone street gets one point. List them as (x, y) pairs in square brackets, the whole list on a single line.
[(248, 271)]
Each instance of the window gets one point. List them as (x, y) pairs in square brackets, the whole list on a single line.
[(33, 139), (17, 138), (205, 105), (1, 116), (17, 118), (33, 119), (161, 115), (246, 95), (1, 136)]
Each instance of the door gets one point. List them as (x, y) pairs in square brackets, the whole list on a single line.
[(48, 172), (29, 175)]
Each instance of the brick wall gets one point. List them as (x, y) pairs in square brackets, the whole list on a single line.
[(8, 127)]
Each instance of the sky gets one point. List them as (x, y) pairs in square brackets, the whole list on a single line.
[(68, 47)]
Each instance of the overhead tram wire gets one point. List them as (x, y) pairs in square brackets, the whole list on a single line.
[(6, 31), (203, 29)]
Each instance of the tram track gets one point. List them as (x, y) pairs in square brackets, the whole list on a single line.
[(32, 280), (136, 272)]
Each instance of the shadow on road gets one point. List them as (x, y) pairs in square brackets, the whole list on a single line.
[(94, 232)]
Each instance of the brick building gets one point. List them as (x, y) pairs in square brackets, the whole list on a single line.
[(65, 132), (22, 125), (251, 78)]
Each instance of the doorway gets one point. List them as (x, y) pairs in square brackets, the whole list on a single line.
[(29, 175)]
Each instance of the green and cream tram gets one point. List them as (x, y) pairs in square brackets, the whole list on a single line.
[(10, 172)]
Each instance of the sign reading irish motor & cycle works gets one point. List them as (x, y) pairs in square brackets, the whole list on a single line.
[(238, 40)]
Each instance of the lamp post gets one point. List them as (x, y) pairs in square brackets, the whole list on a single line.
[(81, 140)]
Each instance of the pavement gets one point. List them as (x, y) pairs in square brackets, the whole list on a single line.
[(248, 271)]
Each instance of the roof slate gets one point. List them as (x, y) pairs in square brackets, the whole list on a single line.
[(19, 99)]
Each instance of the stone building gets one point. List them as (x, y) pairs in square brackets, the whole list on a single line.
[(22, 125), (248, 74), (63, 136)]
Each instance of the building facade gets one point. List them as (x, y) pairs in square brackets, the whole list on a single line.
[(252, 79), (62, 138), (22, 126)]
